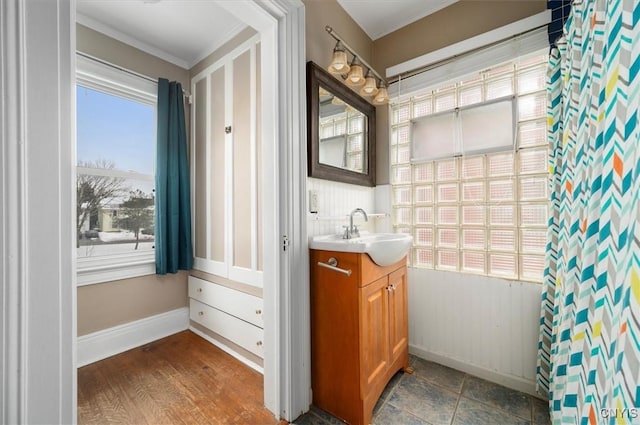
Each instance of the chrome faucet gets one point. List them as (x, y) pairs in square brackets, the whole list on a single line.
[(352, 231)]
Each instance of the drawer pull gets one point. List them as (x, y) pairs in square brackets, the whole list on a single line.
[(199, 289), (332, 264), (258, 311), (259, 343)]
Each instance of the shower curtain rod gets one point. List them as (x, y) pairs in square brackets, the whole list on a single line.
[(443, 62), (128, 71)]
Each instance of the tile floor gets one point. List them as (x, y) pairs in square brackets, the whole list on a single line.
[(438, 395)]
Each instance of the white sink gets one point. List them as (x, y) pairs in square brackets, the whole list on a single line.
[(383, 248)]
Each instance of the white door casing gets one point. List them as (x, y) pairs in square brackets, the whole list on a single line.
[(287, 376), (38, 281), (37, 275)]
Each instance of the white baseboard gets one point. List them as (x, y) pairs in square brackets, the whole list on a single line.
[(509, 381), (106, 343), (228, 350)]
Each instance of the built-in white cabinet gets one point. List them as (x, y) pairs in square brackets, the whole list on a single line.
[(226, 165), (244, 306), (232, 314)]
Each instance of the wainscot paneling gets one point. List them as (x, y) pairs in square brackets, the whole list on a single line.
[(482, 325)]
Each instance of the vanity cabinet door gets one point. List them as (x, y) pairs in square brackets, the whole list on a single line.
[(374, 332), (398, 326)]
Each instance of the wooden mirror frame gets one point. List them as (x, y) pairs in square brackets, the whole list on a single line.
[(316, 77)]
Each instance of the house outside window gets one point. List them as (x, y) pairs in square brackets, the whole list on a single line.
[(115, 204), (483, 212)]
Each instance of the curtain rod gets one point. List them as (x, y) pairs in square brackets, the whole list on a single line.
[(128, 71), (443, 62)]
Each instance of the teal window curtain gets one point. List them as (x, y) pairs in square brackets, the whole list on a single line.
[(589, 345), (173, 204)]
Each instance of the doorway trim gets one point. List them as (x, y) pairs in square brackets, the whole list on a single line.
[(287, 376), (37, 275), (38, 296)]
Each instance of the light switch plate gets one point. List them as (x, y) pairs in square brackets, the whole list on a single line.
[(313, 201)]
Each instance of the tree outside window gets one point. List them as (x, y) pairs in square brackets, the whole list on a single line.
[(136, 214)]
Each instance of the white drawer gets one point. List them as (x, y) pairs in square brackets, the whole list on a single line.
[(239, 304), (244, 334)]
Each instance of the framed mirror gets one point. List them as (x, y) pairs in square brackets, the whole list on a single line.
[(341, 131)]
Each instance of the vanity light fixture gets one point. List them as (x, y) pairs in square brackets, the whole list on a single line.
[(355, 78), (337, 101), (382, 97), (370, 88), (374, 87), (339, 63)]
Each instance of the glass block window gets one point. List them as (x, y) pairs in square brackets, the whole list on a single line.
[(350, 126), (484, 213)]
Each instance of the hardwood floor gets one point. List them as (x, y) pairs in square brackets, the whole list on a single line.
[(181, 379)]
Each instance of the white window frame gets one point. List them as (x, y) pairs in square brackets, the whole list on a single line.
[(109, 79), (403, 179)]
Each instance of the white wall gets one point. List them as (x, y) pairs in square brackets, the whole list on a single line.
[(482, 325), (335, 202)]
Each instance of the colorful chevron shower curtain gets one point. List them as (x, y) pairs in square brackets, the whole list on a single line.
[(589, 349)]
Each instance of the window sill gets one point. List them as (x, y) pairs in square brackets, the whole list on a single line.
[(107, 269)]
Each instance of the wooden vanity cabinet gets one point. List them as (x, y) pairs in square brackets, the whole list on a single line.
[(359, 332)]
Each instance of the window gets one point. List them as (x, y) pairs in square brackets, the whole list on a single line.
[(465, 130), (115, 125), (482, 213)]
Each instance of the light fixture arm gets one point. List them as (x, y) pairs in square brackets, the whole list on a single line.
[(335, 35)]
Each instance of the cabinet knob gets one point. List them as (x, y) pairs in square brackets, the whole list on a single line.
[(259, 343), (258, 311), (199, 289), (201, 313)]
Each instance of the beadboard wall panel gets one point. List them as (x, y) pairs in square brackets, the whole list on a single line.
[(337, 200), (482, 325)]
